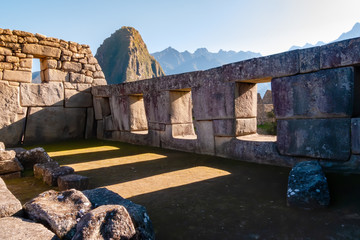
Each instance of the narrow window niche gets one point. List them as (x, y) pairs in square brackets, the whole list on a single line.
[(181, 114), (36, 71), (138, 120), (266, 121)]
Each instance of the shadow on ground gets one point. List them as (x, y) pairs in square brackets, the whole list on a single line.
[(190, 196)]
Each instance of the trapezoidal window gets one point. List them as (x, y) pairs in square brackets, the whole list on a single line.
[(138, 120), (181, 114)]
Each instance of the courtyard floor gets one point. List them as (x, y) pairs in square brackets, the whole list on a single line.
[(190, 196)]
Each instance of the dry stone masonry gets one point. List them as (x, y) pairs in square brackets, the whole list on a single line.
[(59, 107), (315, 96)]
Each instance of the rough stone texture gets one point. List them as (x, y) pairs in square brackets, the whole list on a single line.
[(17, 76), (90, 130), (7, 155), (119, 110), (70, 122), (317, 138), (41, 51), (9, 204), (39, 95), (307, 186), (183, 130), (41, 168), (205, 134), (10, 166), (138, 119), (59, 210), (14, 228), (73, 181), (181, 107), (74, 98), (245, 100), (30, 157), (355, 135), (105, 222), (53, 75), (323, 94), (245, 126), (309, 59), (140, 218), (51, 175), (11, 175)]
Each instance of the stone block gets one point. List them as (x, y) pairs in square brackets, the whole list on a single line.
[(20, 228), (315, 138), (183, 130), (18, 76), (10, 166), (90, 124), (138, 120), (6, 66), (181, 106), (339, 54), (53, 75), (99, 81), (309, 59), (101, 107), (72, 66), (322, 94), (99, 74), (213, 100), (51, 175), (73, 181), (1, 75), (109, 124), (262, 69), (307, 186), (5, 51), (245, 126), (355, 135), (12, 59), (41, 168), (157, 106), (77, 78), (205, 136), (224, 127), (45, 124), (48, 63), (100, 129), (186, 144), (26, 63), (12, 175), (39, 95), (245, 100), (7, 155), (9, 204), (120, 112), (74, 98), (40, 51)]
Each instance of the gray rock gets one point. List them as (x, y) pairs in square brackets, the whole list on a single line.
[(60, 211), (307, 186), (13, 228), (139, 216), (316, 138), (10, 166), (51, 174), (73, 181), (45, 94), (40, 168), (9, 204), (30, 157), (105, 222)]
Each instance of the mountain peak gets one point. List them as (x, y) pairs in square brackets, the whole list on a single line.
[(124, 57)]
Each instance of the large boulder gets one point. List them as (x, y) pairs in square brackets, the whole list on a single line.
[(9, 204), (105, 222), (143, 225), (30, 157), (307, 186), (60, 211), (18, 228)]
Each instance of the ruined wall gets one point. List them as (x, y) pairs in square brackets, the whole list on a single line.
[(60, 107), (265, 108), (315, 94)]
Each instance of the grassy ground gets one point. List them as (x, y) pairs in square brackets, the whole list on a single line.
[(190, 196)]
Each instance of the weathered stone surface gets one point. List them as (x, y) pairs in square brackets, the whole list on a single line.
[(140, 218), (41, 51), (338, 54), (323, 94), (224, 127), (74, 98), (109, 123), (9, 204), (90, 130), (48, 63), (18, 228), (138, 120), (53, 75), (70, 122), (51, 175), (10, 166), (352, 166), (39, 95), (99, 81), (59, 210), (30, 157), (181, 106), (41, 168), (317, 138), (307, 186), (77, 78), (119, 108), (245, 126), (11, 175), (72, 66), (18, 76), (355, 135), (183, 130), (205, 136), (105, 222), (26, 63), (245, 100), (2, 146), (262, 69), (309, 59), (7, 154), (5, 51), (73, 181)]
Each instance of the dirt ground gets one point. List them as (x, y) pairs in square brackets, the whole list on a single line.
[(190, 196)]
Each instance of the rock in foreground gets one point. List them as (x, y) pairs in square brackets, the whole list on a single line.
[(307, 186), (30, 157), (105, 222), (59, 210), (12, 228), (9, 204)]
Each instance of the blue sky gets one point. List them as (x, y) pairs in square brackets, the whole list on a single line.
[(265, 26)]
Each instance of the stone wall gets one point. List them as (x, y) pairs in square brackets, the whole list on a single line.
[(315, 94), (265, 108), (60, 107)]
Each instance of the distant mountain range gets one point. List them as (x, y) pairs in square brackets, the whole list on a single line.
[(173, 62)]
